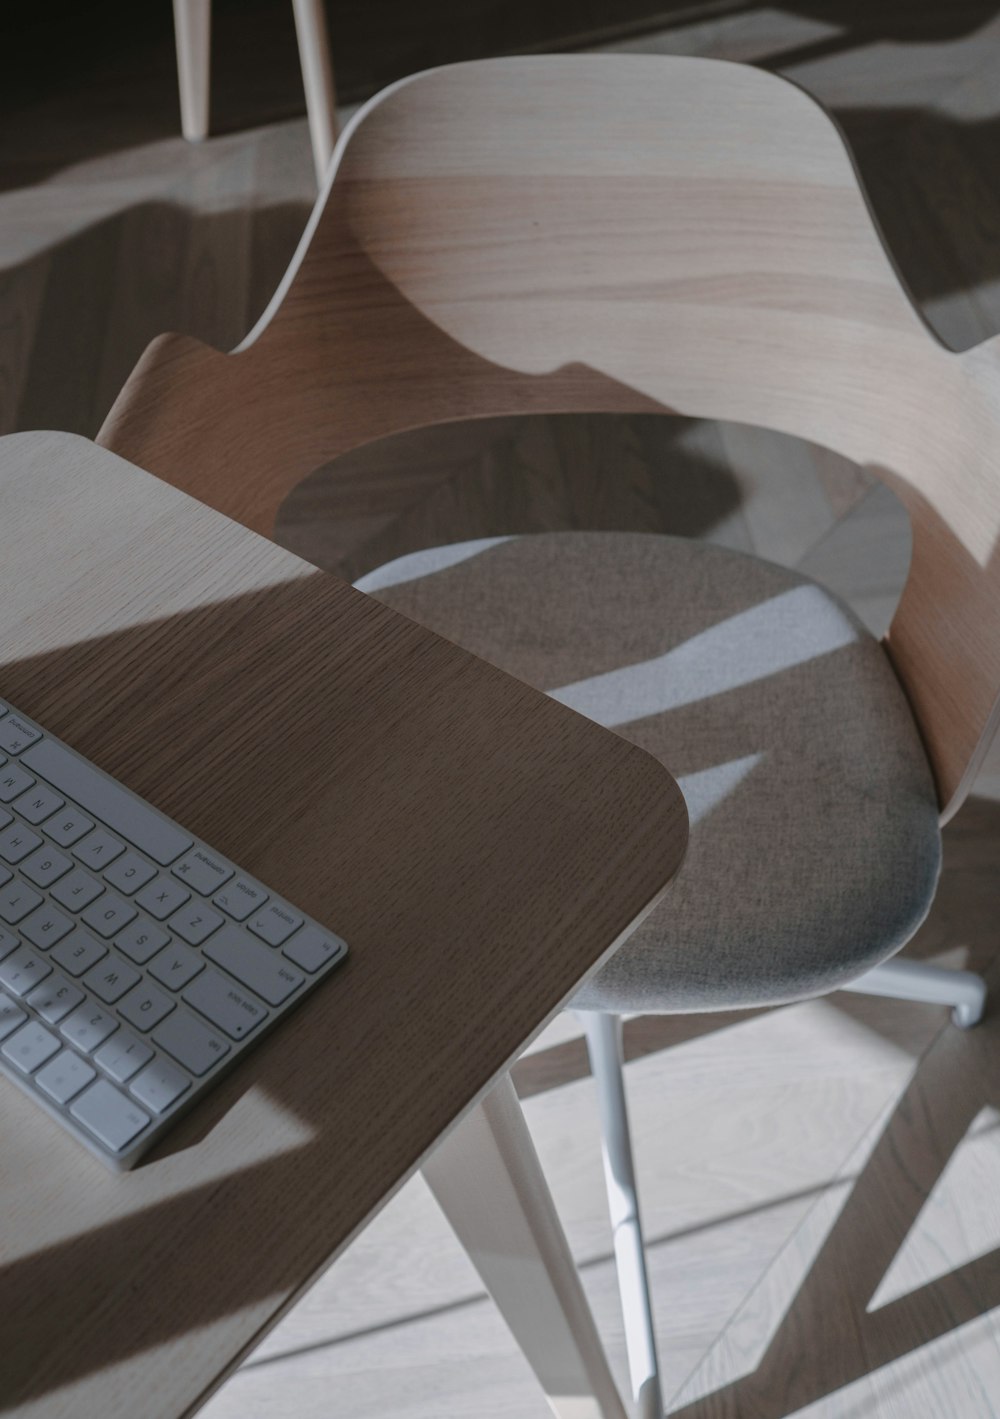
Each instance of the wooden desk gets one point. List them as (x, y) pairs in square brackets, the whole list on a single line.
[(481, 847)]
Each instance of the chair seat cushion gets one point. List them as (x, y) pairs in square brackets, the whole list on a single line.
[(815, 845)]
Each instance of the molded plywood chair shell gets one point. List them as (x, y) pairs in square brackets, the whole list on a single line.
[(624, 233), (612, 233)]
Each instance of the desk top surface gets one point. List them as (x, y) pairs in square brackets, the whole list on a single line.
[(481, 847)]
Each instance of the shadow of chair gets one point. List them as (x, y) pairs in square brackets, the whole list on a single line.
[(638, 234)]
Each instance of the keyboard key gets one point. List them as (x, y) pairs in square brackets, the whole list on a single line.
[(267, 974), (240, 897), (109, 914), (38, 803), (78, 953), (122, 1054), (139, 941), (311, 948), (13, 780), (146, 829), (46, 926), (112, 1118), (68, 827), (45, 867), (275, 923), (196, 1047), (202, 871), (97, 849), (64, 1077), (5, 818), (17, 842), (110, 979), (159, 1084), (54, 998), (30, 1047), (130, 873), (18, 973), (194, 923), (176, 965), (145, 1006), (16, 734), (77, 890), (162, 897), (8, 942), (11, 1016), (224, 1003), (88, 1026), (16, 901)]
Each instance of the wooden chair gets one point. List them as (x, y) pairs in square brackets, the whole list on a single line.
[(612, 233), (193, 40)]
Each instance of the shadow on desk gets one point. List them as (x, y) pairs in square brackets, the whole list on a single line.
[(459, 828), (325, 1130)]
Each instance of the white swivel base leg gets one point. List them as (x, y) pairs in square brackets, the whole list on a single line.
[(604, 1045), (931, 985), (489, 1183)]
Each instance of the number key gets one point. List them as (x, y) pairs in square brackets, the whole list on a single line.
[(88, 1027), (54, 998), (22, 971)]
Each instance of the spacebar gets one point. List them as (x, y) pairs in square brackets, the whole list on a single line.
[(141, 825)]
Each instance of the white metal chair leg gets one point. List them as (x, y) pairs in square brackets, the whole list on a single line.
[(964, 991), (193, 38), (604, 1045), (317, 80), (489, 1183)]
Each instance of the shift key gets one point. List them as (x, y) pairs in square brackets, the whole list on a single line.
[(266, 973), (225, 1004)]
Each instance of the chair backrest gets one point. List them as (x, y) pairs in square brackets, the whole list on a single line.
[(621, 233)]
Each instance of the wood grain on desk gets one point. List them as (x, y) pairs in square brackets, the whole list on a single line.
[(481, 847)]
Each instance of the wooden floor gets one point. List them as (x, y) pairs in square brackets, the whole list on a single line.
[(821, 1183)]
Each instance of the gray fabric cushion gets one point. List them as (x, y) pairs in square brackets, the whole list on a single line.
[(815, 846)]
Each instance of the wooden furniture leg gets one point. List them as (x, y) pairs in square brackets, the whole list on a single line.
[(193, 38), (489, 1184), (317, 80)]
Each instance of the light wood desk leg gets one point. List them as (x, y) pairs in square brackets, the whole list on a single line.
[(317, 80), (488, 1182), (193, 38)]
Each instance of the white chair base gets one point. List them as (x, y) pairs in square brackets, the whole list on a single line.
[(964, 991), (604, 1045)]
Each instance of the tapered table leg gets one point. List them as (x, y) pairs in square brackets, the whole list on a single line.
[(488, 1181)]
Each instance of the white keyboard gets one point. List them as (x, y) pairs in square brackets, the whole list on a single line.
[(136, 964)]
